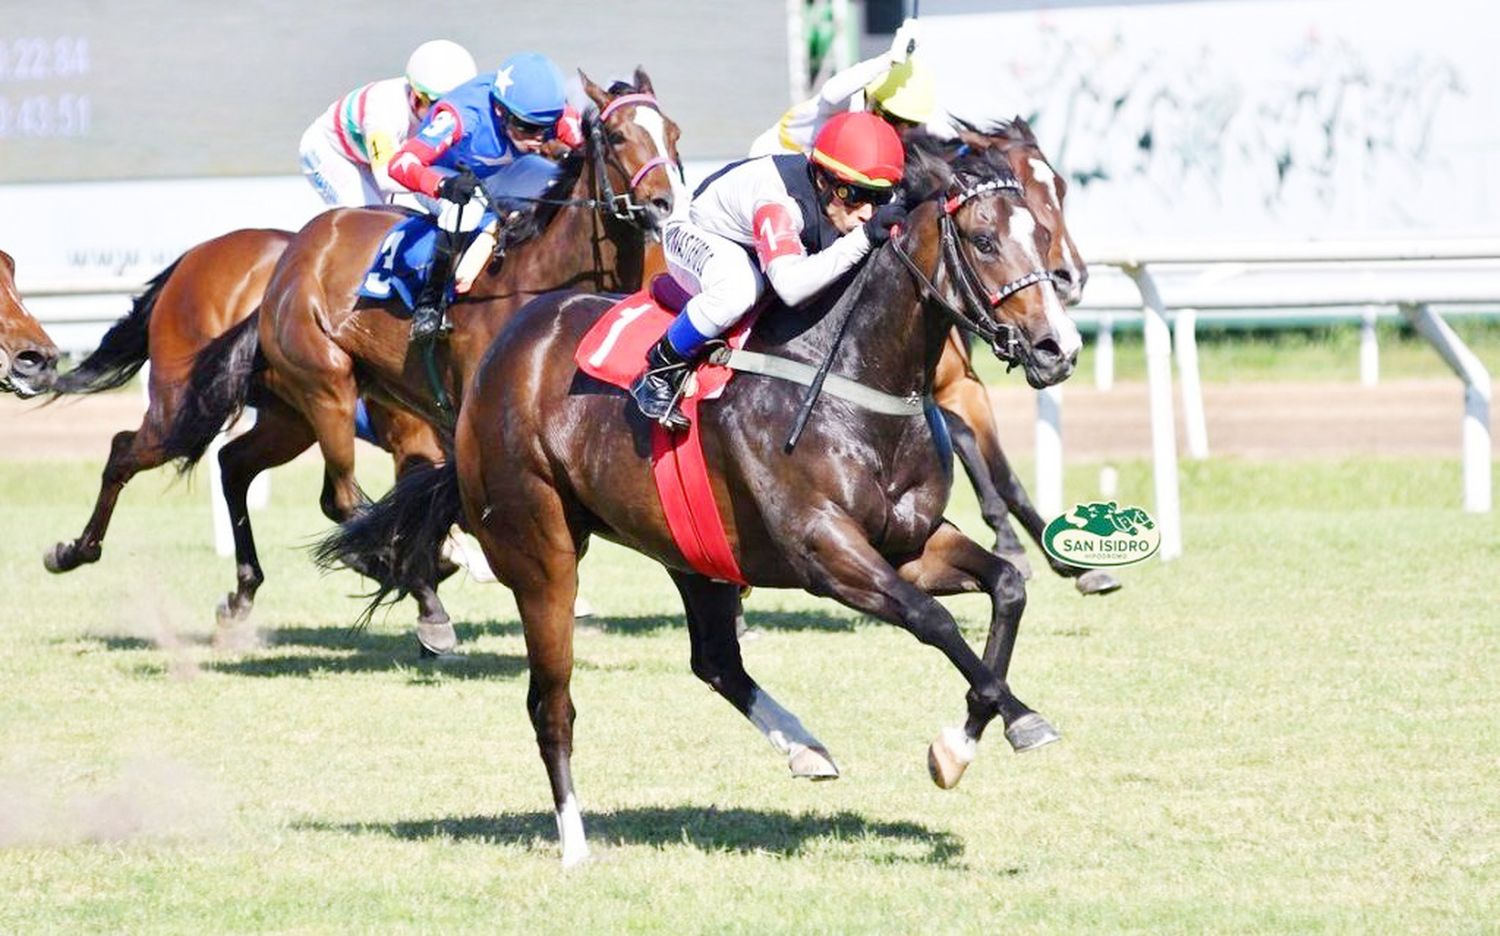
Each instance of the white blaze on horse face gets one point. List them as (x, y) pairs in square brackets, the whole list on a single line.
[(650, 120), (1044, 174), (575, 848), (1064, 331)]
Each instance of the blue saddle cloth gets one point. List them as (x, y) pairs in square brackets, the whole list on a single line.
[(404, 258)]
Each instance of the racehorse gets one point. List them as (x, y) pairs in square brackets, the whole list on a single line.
[(963, 397), (546, 457), (28, 358), (314, 346), (201, 295)]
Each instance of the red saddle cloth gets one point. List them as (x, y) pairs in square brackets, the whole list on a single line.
[(614, 351)]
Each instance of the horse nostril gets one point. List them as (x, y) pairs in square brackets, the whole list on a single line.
[(1047, 349), (662, 204), (31, 363), (1063, 276)]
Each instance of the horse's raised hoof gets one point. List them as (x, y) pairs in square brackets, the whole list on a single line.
[(812, 763), (437, 638), (232, 630), (1096, 582), (949, 755), (65, 557), (1030, 732), (1019, 560)]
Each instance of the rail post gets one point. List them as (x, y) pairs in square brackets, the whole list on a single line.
[(1163, 425)]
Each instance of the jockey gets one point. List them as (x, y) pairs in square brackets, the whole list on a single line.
[(894, 86), (345, 151), (496, 123), (808, 219)]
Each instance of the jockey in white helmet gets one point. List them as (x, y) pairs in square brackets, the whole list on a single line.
[(896, 86), (345, 151)]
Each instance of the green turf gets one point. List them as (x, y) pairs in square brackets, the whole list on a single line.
[(1291, 729), (1313, 354)]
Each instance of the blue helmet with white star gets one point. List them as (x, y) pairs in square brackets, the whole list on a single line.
[(530, 87)]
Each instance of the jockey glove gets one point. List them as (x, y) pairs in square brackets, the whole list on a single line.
[(459, 188), (878, 228)]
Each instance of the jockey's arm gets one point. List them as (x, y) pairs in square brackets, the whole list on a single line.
[(382, 147), (795, 274), (411, 166), (834, 96)]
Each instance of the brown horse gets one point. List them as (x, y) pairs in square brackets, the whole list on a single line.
[(315, 346), (28, 358), (546, 457), (965, 400), (201, 295)]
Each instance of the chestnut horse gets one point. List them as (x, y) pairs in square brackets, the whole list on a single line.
[(315, 346), (546, 457), (201, 295), (965, 400), (28, 358)]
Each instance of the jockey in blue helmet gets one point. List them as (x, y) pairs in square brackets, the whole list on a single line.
[(494, 124)]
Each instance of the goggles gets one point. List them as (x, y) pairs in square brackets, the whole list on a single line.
[(859, 195), (531, 131)]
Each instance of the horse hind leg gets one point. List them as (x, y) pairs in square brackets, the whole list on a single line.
[(951, 563), (130, 452), (713, 609), (278, 436)]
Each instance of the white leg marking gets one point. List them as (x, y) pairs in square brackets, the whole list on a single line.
[(575, 848), (963, 747)]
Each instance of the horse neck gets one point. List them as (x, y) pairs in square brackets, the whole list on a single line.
[(581, 247), (894, 340)]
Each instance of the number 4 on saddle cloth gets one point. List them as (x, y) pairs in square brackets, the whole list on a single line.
[(614, 351)]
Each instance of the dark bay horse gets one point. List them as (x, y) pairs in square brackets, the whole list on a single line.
[(200, 296), (314, 346), (546, 457), (28, 358), (963, 396)]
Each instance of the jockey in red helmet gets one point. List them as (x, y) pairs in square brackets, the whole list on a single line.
[(807, 219)]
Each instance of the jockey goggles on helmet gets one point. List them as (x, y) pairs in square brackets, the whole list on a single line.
[(859, 195), (520, 127)]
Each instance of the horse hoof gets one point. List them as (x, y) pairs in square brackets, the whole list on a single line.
[(59, 559), (1030, 732), (582, 608), (1096, 582), (227, 616), (948, 756), (437, 639), (1019, 560), (813, 763)]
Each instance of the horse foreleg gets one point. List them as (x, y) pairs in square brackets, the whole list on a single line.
[(129, 454), (992, 506), (712, 611), (849, 569), (951, 563)]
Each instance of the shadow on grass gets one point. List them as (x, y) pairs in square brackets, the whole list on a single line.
[(757, 620), (705, 828)]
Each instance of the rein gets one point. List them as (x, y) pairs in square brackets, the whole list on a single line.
[(974, 315)]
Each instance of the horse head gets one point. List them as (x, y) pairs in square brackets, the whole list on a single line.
[(989, 250), (635, 145), (28, 358), (1044, 189)]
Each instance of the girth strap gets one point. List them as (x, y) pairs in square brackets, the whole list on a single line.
[(767, 365)]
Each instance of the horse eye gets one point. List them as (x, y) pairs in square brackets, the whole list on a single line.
[(616, 138), (983, 243)]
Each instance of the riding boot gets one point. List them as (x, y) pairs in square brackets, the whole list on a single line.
[(657, 390), (427, 321)]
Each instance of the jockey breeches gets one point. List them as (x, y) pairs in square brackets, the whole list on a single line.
[(718, 273), (338, 179)]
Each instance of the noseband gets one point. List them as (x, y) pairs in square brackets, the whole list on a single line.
[(974, 313), (621, 205)]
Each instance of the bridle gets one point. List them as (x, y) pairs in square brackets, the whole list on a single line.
[(621, 205), (973, 315)]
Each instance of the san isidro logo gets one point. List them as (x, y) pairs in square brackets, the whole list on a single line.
[(1102, 535)]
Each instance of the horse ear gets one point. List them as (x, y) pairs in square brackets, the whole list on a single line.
[(10, 264), (595, 93), (643, 81), (1020, 124)]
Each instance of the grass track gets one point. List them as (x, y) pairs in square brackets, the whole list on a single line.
[(1292, 729)]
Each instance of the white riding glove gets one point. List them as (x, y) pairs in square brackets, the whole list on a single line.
[(905, 41)]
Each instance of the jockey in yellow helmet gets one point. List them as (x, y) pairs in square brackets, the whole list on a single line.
[(895, 86)]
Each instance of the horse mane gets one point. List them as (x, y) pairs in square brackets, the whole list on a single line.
[(1015, 131)]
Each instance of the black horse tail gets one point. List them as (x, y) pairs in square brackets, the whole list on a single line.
[(217, 390), (397, 540), (124, 348)]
